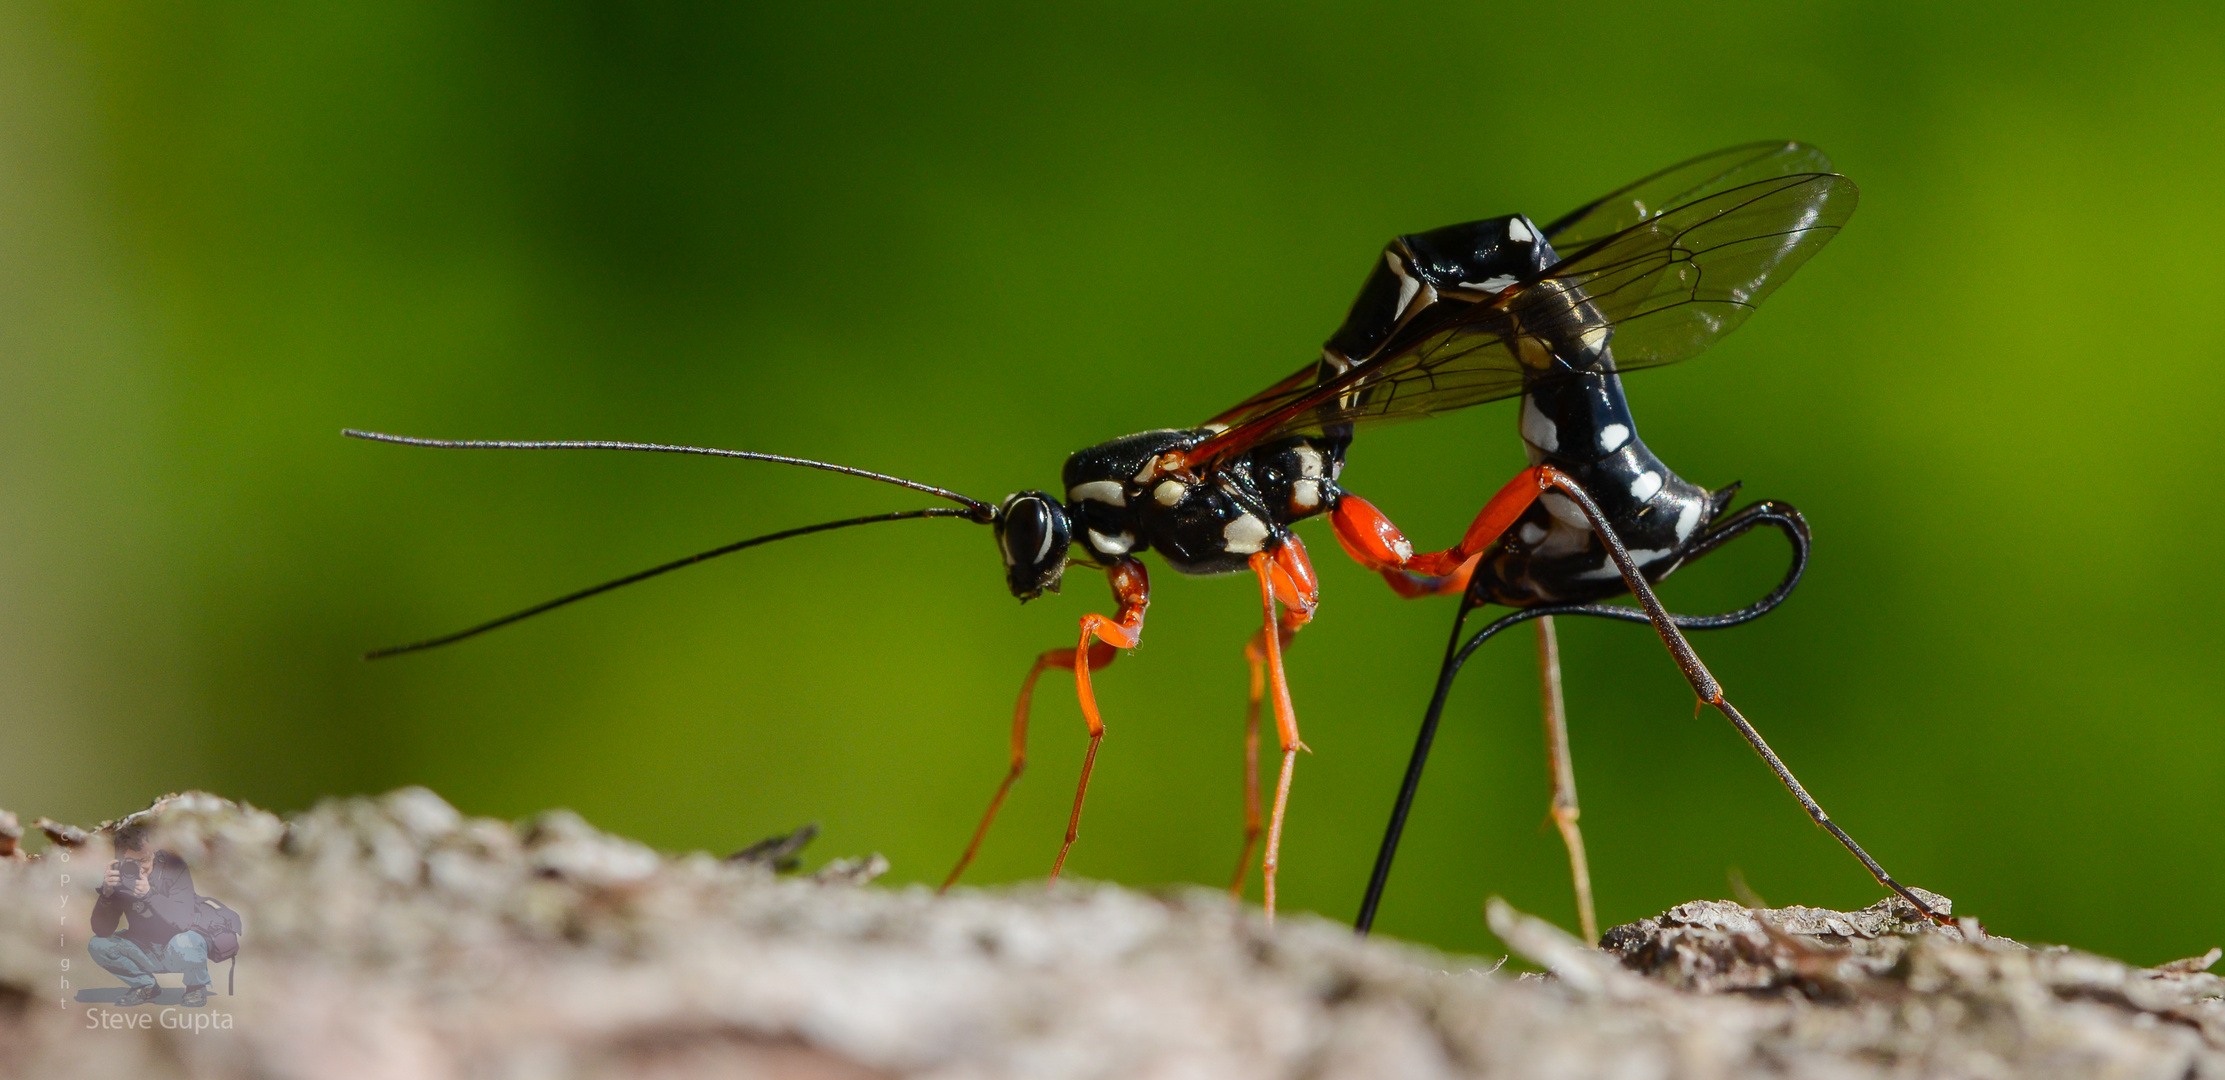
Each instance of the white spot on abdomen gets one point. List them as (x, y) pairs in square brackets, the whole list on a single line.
[(1518, 232), (1110, 545), (1245, 535), (1565, 510), (1608, 569), (1104, 491), (1407, 286), (1562, 540), (1687, 520), (1169, 492), (1612, 437), (1645, 486), (1536, 429), (1305, 494), (1309, 461)]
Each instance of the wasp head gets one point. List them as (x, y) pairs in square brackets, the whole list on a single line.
[(1034, 535)]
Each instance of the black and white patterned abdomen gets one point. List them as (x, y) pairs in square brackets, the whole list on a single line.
[(1580, 424)]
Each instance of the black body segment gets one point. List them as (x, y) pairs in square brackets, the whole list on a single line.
[(1582, 425)]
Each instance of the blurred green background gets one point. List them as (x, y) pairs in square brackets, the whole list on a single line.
[(959, 245)]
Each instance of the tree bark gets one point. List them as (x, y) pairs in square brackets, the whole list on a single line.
[(393, 937)]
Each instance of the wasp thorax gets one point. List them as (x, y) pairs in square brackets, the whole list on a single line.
[(1033, 534)]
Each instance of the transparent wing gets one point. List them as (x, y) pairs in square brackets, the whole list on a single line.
[(1659, 291), (1679, 185), (1296, 385), (1632, 204), (1671, 285)]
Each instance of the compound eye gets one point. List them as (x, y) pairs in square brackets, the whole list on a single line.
[(1028, 533)]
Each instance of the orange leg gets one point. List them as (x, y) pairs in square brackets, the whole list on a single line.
[(1367, 528), (1255, 653), (1102, 655), (1097, 655), (1285, 575), (1132, 592), (1373, 542)]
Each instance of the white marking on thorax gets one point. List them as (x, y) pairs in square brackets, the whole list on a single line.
[(1111, 545), (1305, 494), (1532, 534), (1594, 337), (1169, 492), (1612, 437), (1490, 284), (1104, 491), (1149, 470), (1519, 233), (1645, 486), (1243, 536), (1309, 461), (1407, 286), (1537, 429), (1335, 360), (1213, 429), (1687, 520)]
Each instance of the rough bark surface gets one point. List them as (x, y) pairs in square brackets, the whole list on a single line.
[(393, 937)]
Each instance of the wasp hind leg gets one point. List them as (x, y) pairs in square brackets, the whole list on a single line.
[(1711, 692)]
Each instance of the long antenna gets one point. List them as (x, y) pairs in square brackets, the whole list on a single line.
[(977, 510), (446, 639)]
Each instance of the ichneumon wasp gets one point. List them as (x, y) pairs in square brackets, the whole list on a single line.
[(1451, 318)]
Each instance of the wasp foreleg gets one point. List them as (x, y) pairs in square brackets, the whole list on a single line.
[(1132, 593)]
